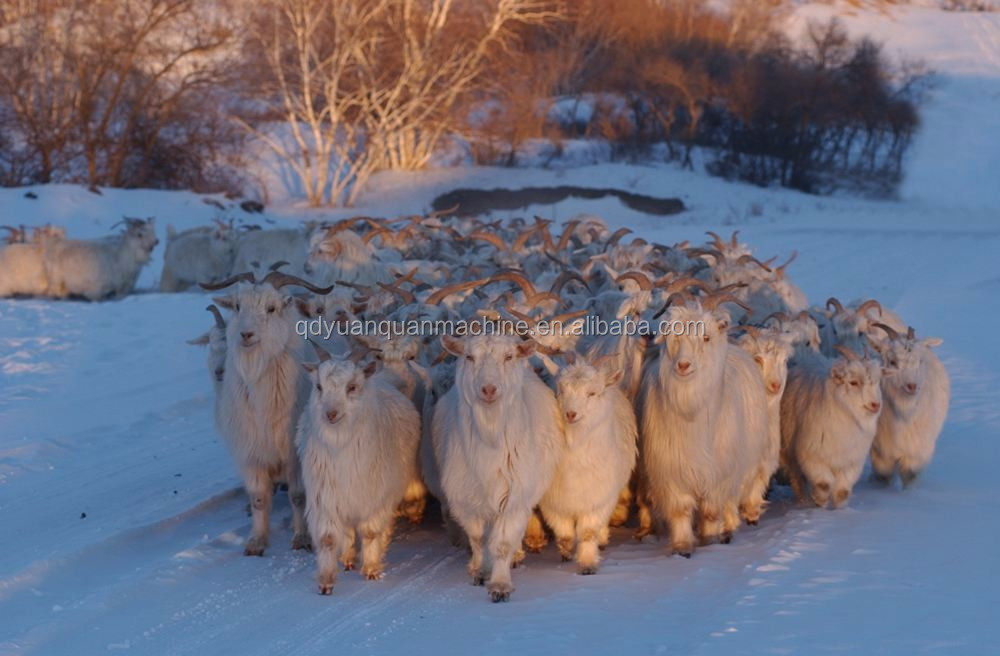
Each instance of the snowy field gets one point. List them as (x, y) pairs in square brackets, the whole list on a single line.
[(123, 518)]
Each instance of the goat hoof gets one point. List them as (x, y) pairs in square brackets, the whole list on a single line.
[(727, 537), (478, 579), (684, 550), (587, 570), (500, 591), (326, 589), (751, 522), (372, 573), (255, 546), (301, 542)]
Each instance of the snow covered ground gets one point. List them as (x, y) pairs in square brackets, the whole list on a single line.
[(123, 520)]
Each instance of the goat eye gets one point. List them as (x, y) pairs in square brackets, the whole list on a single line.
[(319, 310), (378, 356), (855, 383), (470, 358), (411, 357), (319, 387), (508, 357), (707, 338), (352, 388), (270, 309), (591, 394)]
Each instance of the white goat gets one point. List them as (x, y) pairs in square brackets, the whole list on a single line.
[(256, 250), (341, 255), (770, 350), (102, 268), (704, 424), (22, 262), (357, 440), (597, 462), (497, 436), (202, 254), (829, 414), (916, 403), (262, 394)]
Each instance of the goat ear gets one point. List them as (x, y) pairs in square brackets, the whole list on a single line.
[(525, 349), (224, 301), (933, 341), (201, 340), (453, 345), (310, 367), (613, 377), (369, 369)]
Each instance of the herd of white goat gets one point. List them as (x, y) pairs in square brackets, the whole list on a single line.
[(521, 433)]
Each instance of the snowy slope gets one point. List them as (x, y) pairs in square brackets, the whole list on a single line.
[(123, 522)]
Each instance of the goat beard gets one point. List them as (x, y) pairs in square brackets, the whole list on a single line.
[(251, 364)]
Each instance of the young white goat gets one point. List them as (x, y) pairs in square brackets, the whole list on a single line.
[(497, 436), (916, 403), (704, 424), (102, 268), (597, 462), (261, 396), (357, 440), (829, 414)]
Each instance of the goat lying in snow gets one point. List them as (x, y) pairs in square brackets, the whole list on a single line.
[(916, 404), (497, 437), (597, 462), (357, 440), (261, 396), (703, 427), (102, 268), (829, 414)]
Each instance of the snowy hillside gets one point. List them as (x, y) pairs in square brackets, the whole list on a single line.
[(123, 518)]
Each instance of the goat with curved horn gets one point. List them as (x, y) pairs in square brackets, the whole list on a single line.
[(870, 303), (640, 278), (838, 308)]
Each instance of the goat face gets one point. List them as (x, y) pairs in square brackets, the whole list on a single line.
[(695, 355), (581, 389), (490, 368), (771, 354), (261, 327), (909, 358), (338, 389), (857, 386), (143, 235)]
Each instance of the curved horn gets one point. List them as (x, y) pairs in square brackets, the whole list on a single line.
[(780, 316), (616, 237), (889, 330), (448, 290), (910, 333), (716, 240), (321, 352), (847, 353), (518, 278), (523, 238), (564, 278), (750, 258), (780, 271), (732, 241), (372, 234), (219, 321), (640, 278), (684, 297), (406, 296), (246, 276), (838, 308), (681, 284), (278, 280), (277, 265), (698, 252), (715, 300), (870, 303), (566, 234), (490, 238)]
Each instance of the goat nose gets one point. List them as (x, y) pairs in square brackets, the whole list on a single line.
[(775, 386), (332, 415), (489, 390), (570, 415), (911, 387), (683, 366), (247, 336), (874, 406)]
